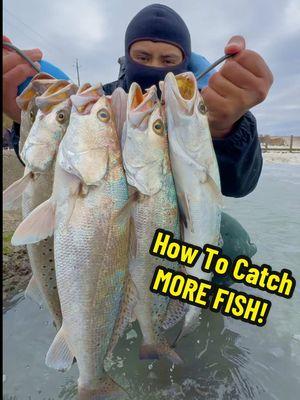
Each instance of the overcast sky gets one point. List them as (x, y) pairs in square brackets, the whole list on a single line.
[(93, 31)]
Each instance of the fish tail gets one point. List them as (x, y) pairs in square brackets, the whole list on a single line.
[(190, 323), (104, 389), (156, 351)]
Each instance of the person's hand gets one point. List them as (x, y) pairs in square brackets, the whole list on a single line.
[(242, 82), (15, 71)]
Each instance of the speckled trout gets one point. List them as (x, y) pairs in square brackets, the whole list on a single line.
[(148, 171), (91, 250), (39, 154), (195, 170)]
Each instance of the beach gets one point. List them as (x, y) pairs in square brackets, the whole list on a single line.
[(281, 157)]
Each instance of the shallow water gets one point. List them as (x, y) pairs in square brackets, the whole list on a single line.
[(224, 358)]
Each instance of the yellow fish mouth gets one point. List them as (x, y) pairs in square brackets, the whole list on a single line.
[(142, 102), (186, 86)]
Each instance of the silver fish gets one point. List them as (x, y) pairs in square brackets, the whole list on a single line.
[(147, 165), (39, 153), (195, 170), (91, 249)]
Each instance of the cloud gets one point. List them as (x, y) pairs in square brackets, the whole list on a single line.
[(83, 22), (93, 31)]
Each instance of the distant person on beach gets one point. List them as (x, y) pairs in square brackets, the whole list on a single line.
[(158, 41)]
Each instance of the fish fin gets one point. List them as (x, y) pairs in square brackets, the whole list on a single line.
[(216, 190), (184, 210), (38, 225), (126, 314), (175, 312), (155, 351), (104, 389), (33, 292), (59, 355), (14, 191), (123, 214)]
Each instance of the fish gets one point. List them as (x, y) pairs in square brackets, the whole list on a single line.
[(39, 153), (154, 205), (26, 102), (195, 171), (91, 248)]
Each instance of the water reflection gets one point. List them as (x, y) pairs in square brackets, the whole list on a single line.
[(215, 366)]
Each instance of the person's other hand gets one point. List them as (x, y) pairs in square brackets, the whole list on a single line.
[(241, 83), (15, 71)]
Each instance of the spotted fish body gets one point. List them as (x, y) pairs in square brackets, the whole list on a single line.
[(195, 170), (147, 165), (39, 154), (91, 249)]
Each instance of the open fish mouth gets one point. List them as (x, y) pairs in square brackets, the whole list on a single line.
[(183, 86), (180, 92)]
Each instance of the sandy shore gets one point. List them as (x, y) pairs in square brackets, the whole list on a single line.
[(279, 157)]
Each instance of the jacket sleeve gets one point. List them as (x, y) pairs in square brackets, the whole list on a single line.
[(239, 158), (15, 130)]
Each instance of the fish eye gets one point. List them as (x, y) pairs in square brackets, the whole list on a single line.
[(202, 108), (32, 115), (158, 127), (60, 116), (103, 115)]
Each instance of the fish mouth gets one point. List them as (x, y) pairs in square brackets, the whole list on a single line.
[(140, 105), (183, 86), (85, 98), (139, 101)]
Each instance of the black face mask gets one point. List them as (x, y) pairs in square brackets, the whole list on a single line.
[(147, 76), (157, 23)]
